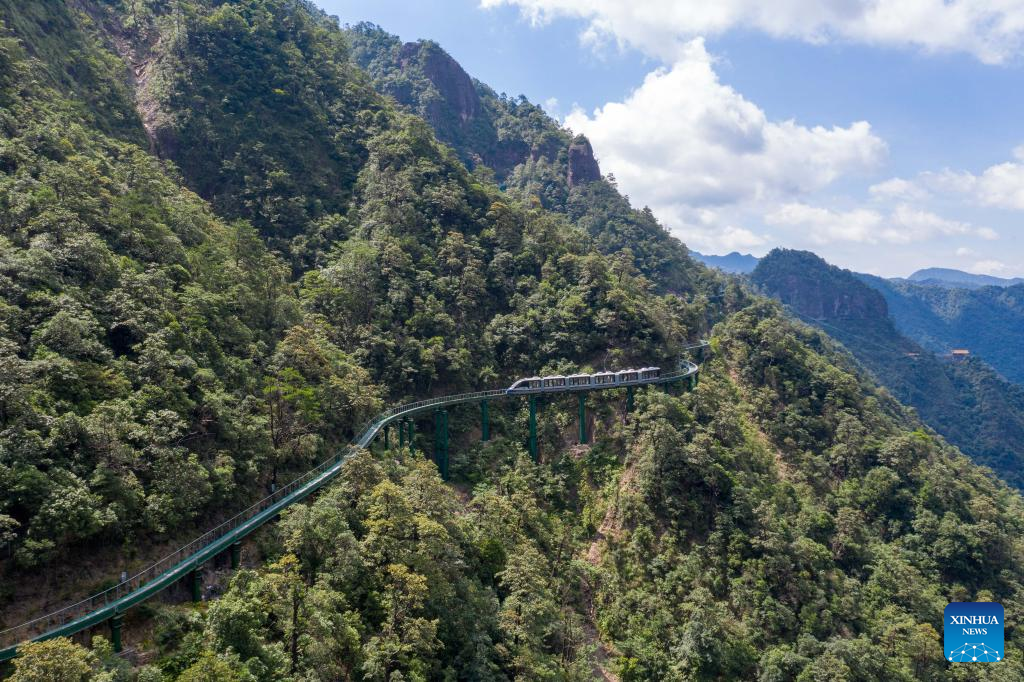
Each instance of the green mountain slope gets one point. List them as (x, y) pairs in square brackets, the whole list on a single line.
[(967, 402), (988, 321), (786, 520), (537, 161)]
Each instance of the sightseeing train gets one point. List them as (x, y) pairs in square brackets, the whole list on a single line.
[(580, 382)]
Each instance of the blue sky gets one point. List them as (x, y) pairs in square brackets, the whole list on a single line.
[(885, 143)]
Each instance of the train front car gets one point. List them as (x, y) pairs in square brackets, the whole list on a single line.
[(527, 385)]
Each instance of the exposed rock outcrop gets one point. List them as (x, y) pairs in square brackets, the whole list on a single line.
[(582, 164), (451, 80)]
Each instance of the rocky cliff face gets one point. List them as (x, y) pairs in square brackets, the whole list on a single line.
[(816, 289), (453, 84), (582, 164)]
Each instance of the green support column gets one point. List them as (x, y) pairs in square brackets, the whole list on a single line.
[(629, 399), (583, 417), (533, 428), (387, 445), (693, 381), (442, 463), (437, 438), (115, 632), (485, 422), (401, 433), (236, 555), (195, 584), (412, 448)]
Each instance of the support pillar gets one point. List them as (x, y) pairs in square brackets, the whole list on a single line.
[(441, 442), (583, 417), (387, 444), (693, 380), (401, 433), (629, 399), (195, 583), (412, 448), (236, 555), (116, 622), (485, 422), (533, 428)]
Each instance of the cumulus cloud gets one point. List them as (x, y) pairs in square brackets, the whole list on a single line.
[(683, 141), (990, 267), (903, 225), (998, 186), (991, 30), (898, 188)]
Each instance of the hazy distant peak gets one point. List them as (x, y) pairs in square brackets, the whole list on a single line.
[(949, 277), (734, 262)]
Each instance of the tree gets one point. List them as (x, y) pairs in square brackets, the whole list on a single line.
[(55, 660)]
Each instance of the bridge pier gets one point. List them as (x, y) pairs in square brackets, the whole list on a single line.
[(629, 399), (412, 425), (236, 555), (116, 622), (533, 428), (693, 380), (195, 584), (401, 432), (441, 442), (387, 445), (583, 417), (485, 422)]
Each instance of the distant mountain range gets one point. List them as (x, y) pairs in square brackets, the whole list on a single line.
[(988, 321), (964, 400), (736, 263), (947, 277)]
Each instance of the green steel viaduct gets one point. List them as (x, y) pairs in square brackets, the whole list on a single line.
[(185, 563)]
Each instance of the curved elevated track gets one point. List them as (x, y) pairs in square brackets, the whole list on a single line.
[(112, 603)]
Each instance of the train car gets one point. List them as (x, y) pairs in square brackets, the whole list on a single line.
[(555, 381), (627, 376), (575, 382), (578, 380), (527, 385), (650, 373)]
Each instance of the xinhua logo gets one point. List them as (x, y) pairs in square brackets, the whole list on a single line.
[(973, 632)]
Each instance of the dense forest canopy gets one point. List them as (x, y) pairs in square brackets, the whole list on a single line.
[(966, 401), (224, 244)]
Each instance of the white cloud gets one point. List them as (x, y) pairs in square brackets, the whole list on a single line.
[(991, 30), (964, 252), (999, 186), (898, 188), (683, 141), (904, 225), (990, 267)]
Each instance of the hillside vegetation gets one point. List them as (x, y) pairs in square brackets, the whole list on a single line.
[(208, 296), (988, 321), (965, 401)]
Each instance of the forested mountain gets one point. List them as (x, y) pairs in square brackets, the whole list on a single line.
[(946, 277), (222, 247), (735, 262), (988, 321), (965, 400)]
